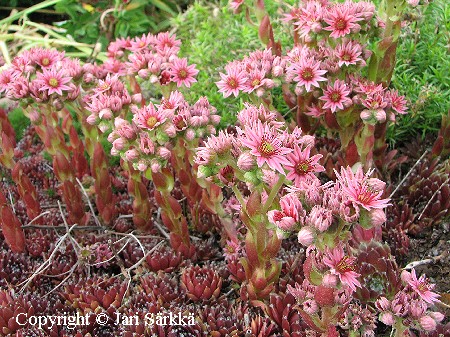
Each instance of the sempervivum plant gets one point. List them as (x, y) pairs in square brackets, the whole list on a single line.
[(201, 283), (96, 295), (160, 288), (427, 192), (379, 271), (12, 305), (222, 319), (164, 259), (281, 309), (399, 221)]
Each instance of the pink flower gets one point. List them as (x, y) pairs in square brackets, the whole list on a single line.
[(266, 144), (336, 96), (361, 189), (46, 58), (150, 118), (348, 53), (235, 4), (5, 79), (256, 78), (182, 74), (307, 73), (281, 220), (308, 18), (343, 266), (387, 318), (341, 20), (421, 286), (233, 81), (167, 44), (398, 102), (139, 43), (53, 80), (301, 165)]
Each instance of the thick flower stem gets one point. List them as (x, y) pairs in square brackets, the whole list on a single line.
[(261, 246), (171, 213), (142, 214)]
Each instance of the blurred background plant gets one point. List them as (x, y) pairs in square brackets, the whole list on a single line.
[(62, 23), (423, 57)]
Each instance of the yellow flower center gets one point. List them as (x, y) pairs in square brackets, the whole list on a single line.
[(302, 168), (45, 61), (182, 74), (53, 82), (255, 82), (335, 96), (307, 74), (232, 83), (151, 121), (266, 149), (345, 265), (341, 24)]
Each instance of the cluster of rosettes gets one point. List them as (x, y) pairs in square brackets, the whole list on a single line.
[(43, 76), (410, 306), (256, 73), (151, 57), (147, 140)]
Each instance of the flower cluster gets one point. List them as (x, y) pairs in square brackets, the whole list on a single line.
[(261, 148), (329, 283), (106, 101), (335, 71), (153, 58), (147, 140), (256, 73), (410, 305), (43, 76)]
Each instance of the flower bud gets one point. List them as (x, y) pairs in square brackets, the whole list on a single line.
[(310, 307), (329, 280), (245, 161), (170, 130), (215, 119), (136, 98), (387, 318), (105, 114), (92, 119), (155, 166), (164, 152), (190, 134), (427, 323), (118, 144), (383, 304), (437, 316), (305, 236), (377, 217), (380, 115), (131, 155), (366, 115), (141, 166), (143, 73)]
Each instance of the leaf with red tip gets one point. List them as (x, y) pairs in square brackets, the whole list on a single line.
[(254, 206), (12, 229)]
